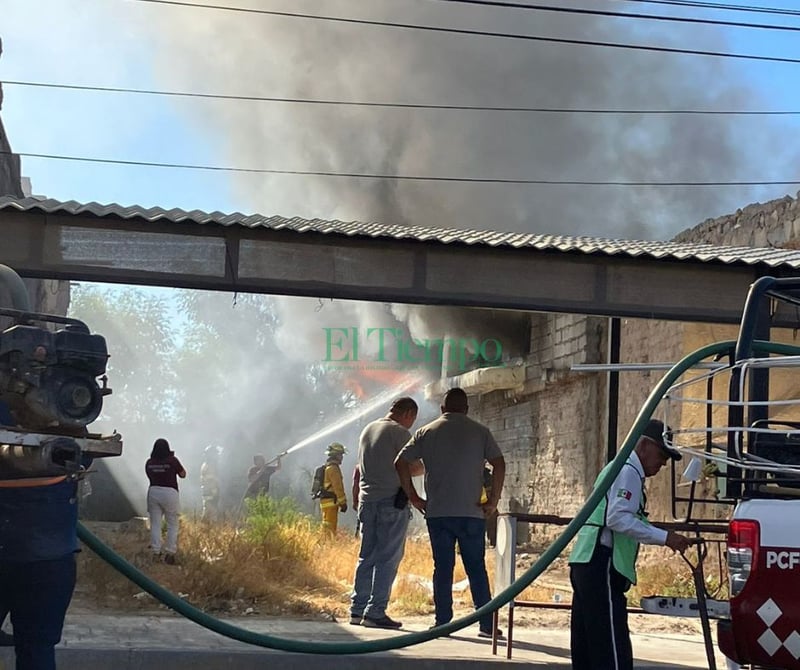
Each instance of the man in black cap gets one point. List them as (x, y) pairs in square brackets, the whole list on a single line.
[(603, 561)]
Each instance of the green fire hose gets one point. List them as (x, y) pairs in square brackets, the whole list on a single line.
[(525, 579)]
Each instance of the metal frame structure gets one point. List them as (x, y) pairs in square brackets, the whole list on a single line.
[(330, 259)]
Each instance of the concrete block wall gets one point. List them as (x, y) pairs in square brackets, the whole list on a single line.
[(550, 440), (551, 432), (648, 341), (645, 341), (49, 296), (568, 443), (513, 426), (559, 341)]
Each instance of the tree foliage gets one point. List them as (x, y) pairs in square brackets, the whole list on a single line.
[(208, 362), (142, 345)]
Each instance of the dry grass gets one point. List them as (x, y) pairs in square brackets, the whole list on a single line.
[(295, 568), (288, 566), (659, 572), (268, 566), (662, 573), (273, 570)]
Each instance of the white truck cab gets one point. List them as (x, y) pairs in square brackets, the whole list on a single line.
[(751, 442)]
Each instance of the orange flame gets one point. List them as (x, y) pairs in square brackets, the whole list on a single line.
[(368, 380)]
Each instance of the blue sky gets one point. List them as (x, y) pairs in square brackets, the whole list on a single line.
[(91, 49), (130, 44)]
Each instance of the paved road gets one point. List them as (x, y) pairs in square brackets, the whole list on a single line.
[(131, 642)]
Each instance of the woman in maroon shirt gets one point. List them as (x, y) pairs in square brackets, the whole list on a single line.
[(163, 500)]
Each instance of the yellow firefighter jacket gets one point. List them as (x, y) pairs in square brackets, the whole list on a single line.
[(333, 482)]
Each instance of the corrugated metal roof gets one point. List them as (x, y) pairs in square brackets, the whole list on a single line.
[(769, 256)]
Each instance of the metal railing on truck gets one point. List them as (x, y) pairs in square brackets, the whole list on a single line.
[(506, 555)]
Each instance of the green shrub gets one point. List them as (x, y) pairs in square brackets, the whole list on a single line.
[(279, 527)]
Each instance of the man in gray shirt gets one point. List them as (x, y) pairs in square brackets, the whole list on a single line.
[(454, 450), (383, 515)]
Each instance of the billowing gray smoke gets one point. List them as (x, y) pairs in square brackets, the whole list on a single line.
[(240, 53)]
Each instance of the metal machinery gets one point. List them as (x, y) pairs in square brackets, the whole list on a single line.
[(49, 391)]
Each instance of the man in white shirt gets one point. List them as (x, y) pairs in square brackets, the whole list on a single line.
[(603, 561)]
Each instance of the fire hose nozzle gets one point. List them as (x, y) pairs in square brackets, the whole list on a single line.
[(278, 457)]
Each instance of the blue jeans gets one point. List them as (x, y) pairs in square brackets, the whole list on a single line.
[(37, 593), (469, 532), (383, 539)]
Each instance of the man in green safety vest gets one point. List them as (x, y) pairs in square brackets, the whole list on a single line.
[(603, 561)]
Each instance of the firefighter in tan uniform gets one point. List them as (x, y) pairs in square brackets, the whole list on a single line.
[(334, 498), (209, 483)]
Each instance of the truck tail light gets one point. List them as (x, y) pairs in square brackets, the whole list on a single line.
[(743, 542)]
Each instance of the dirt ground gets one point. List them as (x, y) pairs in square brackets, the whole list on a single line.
[(82, 603), (86, 601), (554, 586)]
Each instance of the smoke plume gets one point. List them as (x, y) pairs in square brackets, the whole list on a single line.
[(238, 53)]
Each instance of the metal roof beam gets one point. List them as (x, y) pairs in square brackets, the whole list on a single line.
[(187, 254)]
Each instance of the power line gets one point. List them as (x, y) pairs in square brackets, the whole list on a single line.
[(624, 15), (753, 9), (406, 105), (481, 33), (401, 177)]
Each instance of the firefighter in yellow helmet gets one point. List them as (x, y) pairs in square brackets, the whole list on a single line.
[(334, 500)]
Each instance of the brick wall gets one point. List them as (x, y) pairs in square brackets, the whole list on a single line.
[(512, 424), (553, 432), (648, 342)]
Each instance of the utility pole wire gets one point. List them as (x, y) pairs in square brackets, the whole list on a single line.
[(402, 105), (400, 177), (753, 9), (481, 33), (623, 15)]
